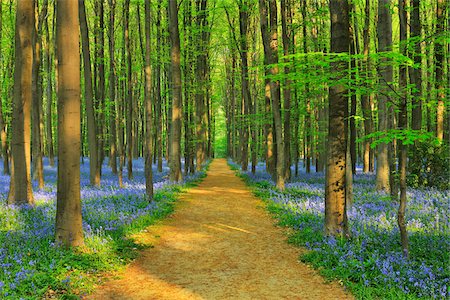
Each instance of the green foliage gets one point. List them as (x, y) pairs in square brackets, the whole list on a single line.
[(406, 136), (429, 165)]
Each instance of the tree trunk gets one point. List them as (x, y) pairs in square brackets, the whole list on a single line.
[(307, 128), (415, 73), (49, 96), (21, 116), (89, 97), (38, 167), (158, 113), (365, 98), (288, 48), (148, 106), (270, 42), (354, 48), (439, 69), (112, 89), (245, 86), (3, 134), (100, 92), (335, 186), (200, 95), (175, 129), (69, 231), (384, 30), (129, 92)]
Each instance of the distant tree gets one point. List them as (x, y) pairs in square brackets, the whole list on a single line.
[(36, 118), (89, 97), (69, 230), (129, 91), (366, 98), (245, 86), (148, 106), (439, 68), (112, 88), (3, 134), (270, 42)]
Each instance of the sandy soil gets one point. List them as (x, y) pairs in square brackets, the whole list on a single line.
[(219, 244)]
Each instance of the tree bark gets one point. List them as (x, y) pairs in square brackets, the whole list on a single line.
[(335, 186), (49, 95), (415, 73), (200, 95), (365, 98), (21, 117), (384, 30), (148, 106), (89, 97), (307, 128), (100, 91), (175, 129), (112, 89), (245, 86), (129, 92), (270, 43), (69, 231), (288, 48), (439, 69), (158, 113), (38, 167), (3, 133)]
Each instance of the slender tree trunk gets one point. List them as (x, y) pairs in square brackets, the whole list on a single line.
[(415, 73), (439, 69), (245, 86), (175, 55), (112, 89), (129, 91), (307, 129), (270, 43), (365, 98), (100, 92), (384, 29), (148, 106), (336, 185), (354, 48), (200, 95), (38, 167), (403, 125), (69, 231), (3, 134), (89, 97), (288, 48), (49, 95), (21, 116), (158, 113)]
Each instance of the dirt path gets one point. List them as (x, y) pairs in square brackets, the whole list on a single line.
[(219, 244)]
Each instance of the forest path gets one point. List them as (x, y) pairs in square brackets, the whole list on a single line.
[(219, 244)]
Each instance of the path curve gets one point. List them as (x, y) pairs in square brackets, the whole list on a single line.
[(219, 244)]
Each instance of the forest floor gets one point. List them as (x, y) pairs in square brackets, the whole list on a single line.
[(219, 244)]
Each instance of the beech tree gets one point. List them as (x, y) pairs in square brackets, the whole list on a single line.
[(384, 30), (175, 129), (69, 231), (89, 97), (148, 107), (20, 186), (335, 185)]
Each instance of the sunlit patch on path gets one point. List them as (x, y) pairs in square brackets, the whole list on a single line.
[(218, 245)]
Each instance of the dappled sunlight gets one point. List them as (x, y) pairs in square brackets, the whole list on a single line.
[(218, 245)]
